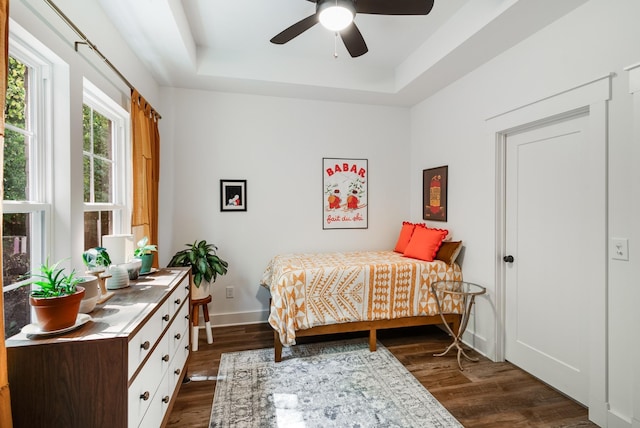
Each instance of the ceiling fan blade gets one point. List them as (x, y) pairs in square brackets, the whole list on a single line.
[(353, 41), (295, 30), (394, 7)]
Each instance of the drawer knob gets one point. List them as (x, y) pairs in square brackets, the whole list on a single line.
[(145, 345), (186, 317), (144, 396), (178, 301), (165, 399), (165, 357), (177, 371), (186, 347), (178, 336), (166, 317)]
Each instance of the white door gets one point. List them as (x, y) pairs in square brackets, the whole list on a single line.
[(551, 232)]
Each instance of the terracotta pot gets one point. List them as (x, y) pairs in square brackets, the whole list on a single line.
[(57, 313)]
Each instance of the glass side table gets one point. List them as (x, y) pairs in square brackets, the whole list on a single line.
[(467, 291)]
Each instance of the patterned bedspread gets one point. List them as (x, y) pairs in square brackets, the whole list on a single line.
[(309, 290)]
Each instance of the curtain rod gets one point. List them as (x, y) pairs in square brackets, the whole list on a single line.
[(94, 48)]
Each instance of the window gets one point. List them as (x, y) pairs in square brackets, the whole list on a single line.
[(25, 207), (105, 165)]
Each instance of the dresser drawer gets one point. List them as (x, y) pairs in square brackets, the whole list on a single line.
[(143, 342), (179, 329), (179, 295), (144, 387)]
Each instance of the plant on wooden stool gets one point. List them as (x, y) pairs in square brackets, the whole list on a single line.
[(201, 257), (205, 266)]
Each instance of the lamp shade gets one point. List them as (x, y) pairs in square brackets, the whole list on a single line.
[(335, 15), (119, 247)]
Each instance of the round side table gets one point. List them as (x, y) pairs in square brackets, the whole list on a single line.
[(467, 291)]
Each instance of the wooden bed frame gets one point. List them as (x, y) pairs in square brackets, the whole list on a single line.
[(372, 326)]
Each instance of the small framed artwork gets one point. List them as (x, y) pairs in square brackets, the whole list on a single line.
[(434, 193), (345, 195), (233, 195)]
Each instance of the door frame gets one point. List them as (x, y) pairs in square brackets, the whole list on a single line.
[(592, 98)]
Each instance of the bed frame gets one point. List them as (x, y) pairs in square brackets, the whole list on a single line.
[(372, 326)]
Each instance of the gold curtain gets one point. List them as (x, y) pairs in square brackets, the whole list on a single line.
[(5, 397), (146, 169)]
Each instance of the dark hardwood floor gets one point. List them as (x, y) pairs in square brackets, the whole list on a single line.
[(485, 394)]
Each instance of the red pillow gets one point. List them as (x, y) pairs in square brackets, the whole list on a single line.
[(405, 235), (424, 243)]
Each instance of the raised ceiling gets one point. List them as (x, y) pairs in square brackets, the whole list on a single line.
[(224, 45)]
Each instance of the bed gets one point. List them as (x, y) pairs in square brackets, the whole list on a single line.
[(325, 293)]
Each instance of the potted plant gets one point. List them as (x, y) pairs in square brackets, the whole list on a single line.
[(56, 301), (205, 265), (96, 259), (144, 252)]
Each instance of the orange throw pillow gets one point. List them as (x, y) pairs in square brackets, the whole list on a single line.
[(405, 236), (424, 243)]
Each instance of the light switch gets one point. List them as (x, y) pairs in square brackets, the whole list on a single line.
[(620, 248)]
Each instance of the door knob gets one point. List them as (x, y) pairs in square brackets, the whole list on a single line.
[(508, 259)]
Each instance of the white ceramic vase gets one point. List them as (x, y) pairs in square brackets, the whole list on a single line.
[(201, 292)]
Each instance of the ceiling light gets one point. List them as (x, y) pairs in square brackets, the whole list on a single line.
[(335, 15)]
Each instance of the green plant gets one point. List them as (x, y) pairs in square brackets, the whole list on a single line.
[(96, 257), (202, 259), (53, 282), (144, 247)]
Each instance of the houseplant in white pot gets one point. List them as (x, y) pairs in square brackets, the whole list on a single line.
[(56, 300), (205, 266), (96, 260)]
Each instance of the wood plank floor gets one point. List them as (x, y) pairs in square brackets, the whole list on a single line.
[(485, 394)]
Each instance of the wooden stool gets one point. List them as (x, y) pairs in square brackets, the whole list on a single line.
[(195, 320)]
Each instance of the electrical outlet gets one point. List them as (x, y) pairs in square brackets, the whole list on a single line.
[(229, 292), (620, 248)]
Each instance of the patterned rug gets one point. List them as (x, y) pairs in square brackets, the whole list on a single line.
[(331, 384)]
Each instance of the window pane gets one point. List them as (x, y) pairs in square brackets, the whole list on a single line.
[(17, 312), (96, 225), (86, 161), (16, 244), (16, 159), (101, 135), (86, 128), (102, 184), (15, 112)]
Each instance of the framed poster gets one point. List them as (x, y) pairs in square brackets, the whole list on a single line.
[(344, 193), (434, 193), (233, 195)]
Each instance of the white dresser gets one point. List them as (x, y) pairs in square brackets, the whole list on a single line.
[(121, 369)]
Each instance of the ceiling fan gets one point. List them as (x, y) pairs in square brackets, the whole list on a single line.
[(337, 15)]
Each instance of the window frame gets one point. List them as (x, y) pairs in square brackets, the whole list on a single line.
[(38, 201), (121, 205)]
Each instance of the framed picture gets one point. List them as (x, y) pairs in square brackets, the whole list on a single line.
[(434, 193), (233, 195), (344, 193)]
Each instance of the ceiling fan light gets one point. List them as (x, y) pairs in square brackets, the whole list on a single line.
[(335, 15)]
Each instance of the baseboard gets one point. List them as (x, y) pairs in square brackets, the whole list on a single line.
[(476, 342), (239, 318), (615, 420)]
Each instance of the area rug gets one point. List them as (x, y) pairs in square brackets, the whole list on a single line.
[(331, 384)]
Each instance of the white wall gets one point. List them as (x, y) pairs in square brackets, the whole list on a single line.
[(277, 145), (449, 129)]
